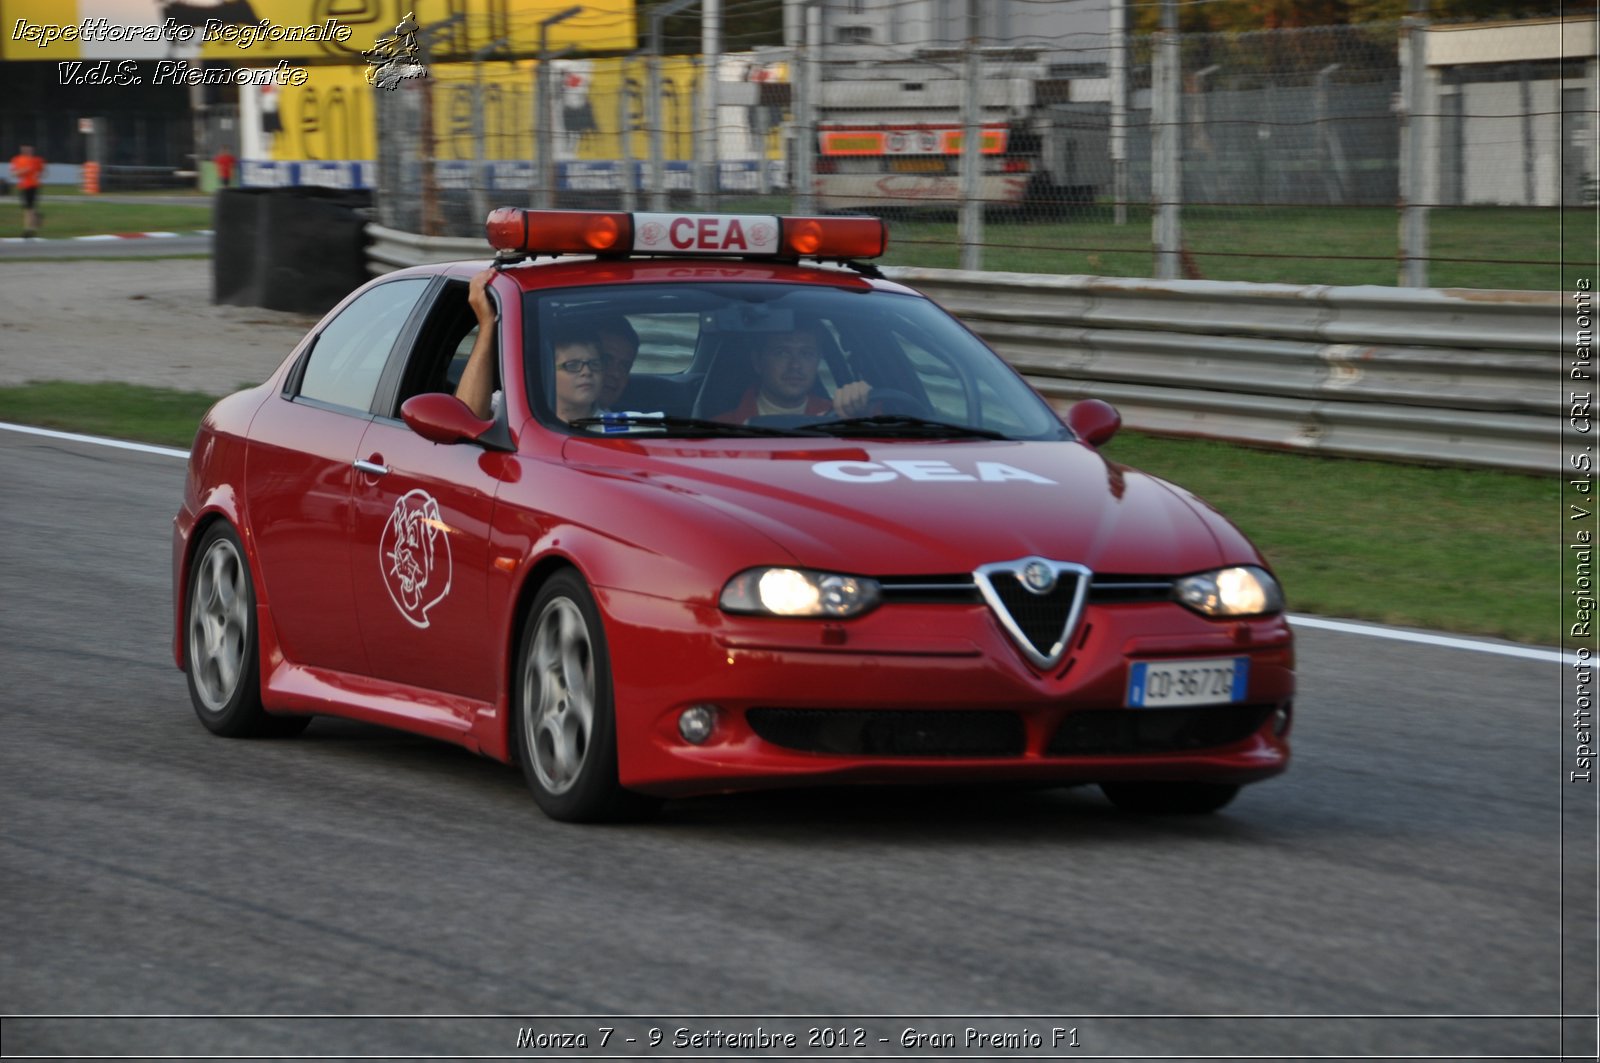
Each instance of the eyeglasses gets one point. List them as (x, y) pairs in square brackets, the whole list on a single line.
[(578, 365)]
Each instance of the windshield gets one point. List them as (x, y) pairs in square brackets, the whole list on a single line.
[(744, 359)]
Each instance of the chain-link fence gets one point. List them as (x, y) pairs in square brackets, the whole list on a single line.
[(1384, 152)]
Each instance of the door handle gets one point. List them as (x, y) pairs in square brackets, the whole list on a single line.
[(372, 468)]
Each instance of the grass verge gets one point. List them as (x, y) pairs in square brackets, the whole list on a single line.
[(1471, 551), (1475, 551), (1471, 247), (121, 411), (68, 216)]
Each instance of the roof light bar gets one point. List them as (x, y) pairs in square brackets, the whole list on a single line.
[(559, 232), (835, 237), (584, 232)]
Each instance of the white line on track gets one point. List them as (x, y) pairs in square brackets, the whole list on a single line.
[(1504, 649), (120, 444), (1533, 653)]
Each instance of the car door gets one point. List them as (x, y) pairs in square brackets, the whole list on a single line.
[(420, 548), (303, 445)]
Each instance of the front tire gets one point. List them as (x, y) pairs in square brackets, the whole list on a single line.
[(564, 718), (1169, 798), (221, 651)]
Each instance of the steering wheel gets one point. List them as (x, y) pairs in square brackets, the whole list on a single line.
[(893, 400)]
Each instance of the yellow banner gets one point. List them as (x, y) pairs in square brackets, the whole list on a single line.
[(332, 115)]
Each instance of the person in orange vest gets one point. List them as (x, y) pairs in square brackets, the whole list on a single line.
[(224, 160), (27, 168)]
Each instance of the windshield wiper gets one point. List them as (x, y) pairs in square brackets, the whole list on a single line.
[(897, 424), (693, 426)]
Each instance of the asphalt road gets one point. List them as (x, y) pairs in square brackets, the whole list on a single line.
[(1409, 865)]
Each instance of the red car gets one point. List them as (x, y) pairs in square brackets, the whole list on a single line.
[(824, 536)]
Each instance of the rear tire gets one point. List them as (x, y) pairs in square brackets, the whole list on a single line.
[(221, 651), (1169, 798), (563, 717)]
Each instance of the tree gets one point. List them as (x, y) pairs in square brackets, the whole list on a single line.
[(746, 24), (1244, 16)]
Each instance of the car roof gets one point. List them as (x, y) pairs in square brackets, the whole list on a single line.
[(578, 271)]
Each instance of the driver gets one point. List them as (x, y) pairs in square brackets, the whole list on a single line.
[(786, 376)]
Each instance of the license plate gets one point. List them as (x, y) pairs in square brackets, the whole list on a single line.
[(1215, 681), (916, 165)]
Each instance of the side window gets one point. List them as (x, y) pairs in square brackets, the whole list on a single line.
[(439, 355), (352, 350)]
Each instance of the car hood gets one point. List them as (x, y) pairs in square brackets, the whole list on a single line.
[(897, 507)]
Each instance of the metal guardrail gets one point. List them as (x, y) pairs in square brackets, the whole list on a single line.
[(391, 249), (1455, 376)]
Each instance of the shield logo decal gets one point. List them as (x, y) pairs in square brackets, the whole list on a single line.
[(414, 554)]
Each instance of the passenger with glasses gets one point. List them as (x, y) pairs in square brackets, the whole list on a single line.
[(580, 368), (579, 371)]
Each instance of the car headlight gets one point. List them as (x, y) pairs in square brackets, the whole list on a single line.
[(798, 592), (1243, 590)]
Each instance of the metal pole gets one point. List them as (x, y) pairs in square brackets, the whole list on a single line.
[(544, 172), (480, 206), (1413, 88), (805, 109), (1530, 195), (544, 112), (659, 199), (652, 117), (198, 130), (970, 217), (1332, 170), (760, 131), (697, 134), (431, 220), (480, 178), (708, 173), (1119, 111), (430, 177), (1165, 120), (625, 141), (1200, 115)]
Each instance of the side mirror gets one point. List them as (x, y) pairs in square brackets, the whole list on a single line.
[(441, 418), (1094, 421)]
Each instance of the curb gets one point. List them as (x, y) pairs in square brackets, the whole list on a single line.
[(103, 236)]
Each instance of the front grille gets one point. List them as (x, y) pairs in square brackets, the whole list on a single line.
[(1042, 618), (1105, 588), (891, 733), (1105, 731), (962, 589), (930, 590)]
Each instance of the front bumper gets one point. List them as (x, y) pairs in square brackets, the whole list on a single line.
[(930, 693)]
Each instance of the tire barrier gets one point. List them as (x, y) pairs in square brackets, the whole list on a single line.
[(300, 250)]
